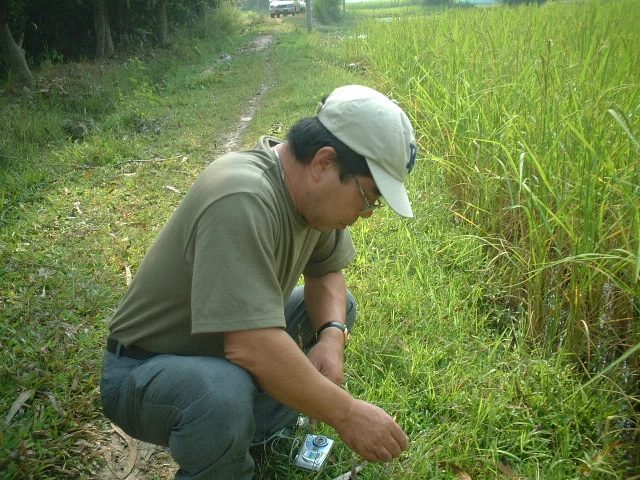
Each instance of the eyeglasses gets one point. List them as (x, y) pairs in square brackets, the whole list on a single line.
[(370, 207)]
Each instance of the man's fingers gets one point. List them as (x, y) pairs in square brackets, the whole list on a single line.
[(370, 457), (373, 434), (380, 455), (394, 450), (381, 452), (401, 438), (385, 455)]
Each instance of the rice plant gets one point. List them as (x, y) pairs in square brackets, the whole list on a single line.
[(533, 113)]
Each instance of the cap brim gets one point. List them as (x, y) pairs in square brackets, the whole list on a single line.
[(392, 190)]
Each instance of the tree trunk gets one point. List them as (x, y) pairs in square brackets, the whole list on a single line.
[(100, 21), (104, 41), (108, 39), (15, 54), (161, 23), (201, 12)]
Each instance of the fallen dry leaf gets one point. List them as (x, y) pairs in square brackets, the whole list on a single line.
[(128, 275), (132, 452), (586, 469), (452, 467), (505, 469), (54, 404), (18, 404), (400, 343), (75, 382)]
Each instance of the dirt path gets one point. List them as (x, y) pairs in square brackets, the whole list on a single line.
[(231, 142), (125, 457)]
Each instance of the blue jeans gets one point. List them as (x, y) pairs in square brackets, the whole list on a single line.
[(207, 410)]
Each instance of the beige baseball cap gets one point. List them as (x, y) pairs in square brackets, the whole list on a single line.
[(371, 124)]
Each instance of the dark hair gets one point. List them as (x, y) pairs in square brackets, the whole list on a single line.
[(308, 135)]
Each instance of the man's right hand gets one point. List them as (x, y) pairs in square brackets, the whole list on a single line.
[(286, 374), (372, 433)]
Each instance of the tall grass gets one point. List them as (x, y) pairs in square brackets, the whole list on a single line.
[(534, 115), (532, 112)]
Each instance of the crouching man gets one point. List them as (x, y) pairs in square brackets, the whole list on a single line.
[(213, 347)]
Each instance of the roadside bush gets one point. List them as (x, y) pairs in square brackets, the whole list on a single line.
[(225, 20), (252, 18), (327, 11)]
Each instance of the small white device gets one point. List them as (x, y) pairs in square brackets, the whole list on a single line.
[(314, 452)]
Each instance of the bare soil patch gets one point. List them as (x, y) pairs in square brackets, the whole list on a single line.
[(232, 139)]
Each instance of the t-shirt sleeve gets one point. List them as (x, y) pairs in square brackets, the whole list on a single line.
[(235, 286), (334, 251)]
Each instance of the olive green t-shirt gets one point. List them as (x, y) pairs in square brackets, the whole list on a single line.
[(227, 259)]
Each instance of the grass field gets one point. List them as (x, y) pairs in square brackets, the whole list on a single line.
[(514, 122)]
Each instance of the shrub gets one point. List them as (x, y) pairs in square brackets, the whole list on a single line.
[(327, 11), (225, 20), (252, 18)]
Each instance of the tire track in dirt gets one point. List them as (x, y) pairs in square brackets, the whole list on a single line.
[(231, 141)]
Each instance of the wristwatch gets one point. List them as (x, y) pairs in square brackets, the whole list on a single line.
[(343, 328)]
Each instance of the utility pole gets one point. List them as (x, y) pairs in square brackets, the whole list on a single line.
[(309, 20)]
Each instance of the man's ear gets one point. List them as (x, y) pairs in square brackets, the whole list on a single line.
[(323, 162)]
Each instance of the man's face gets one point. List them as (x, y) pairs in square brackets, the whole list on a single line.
[(341, 204)]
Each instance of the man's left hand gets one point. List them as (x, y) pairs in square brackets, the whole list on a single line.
[(328, 358)]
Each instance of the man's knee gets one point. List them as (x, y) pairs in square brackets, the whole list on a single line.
[(214, 432), (219, 391), (169, 394)]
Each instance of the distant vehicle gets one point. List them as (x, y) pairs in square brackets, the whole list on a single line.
[(284, 7), (303, 6)]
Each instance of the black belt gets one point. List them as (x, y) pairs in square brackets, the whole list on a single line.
[(137, 353)]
